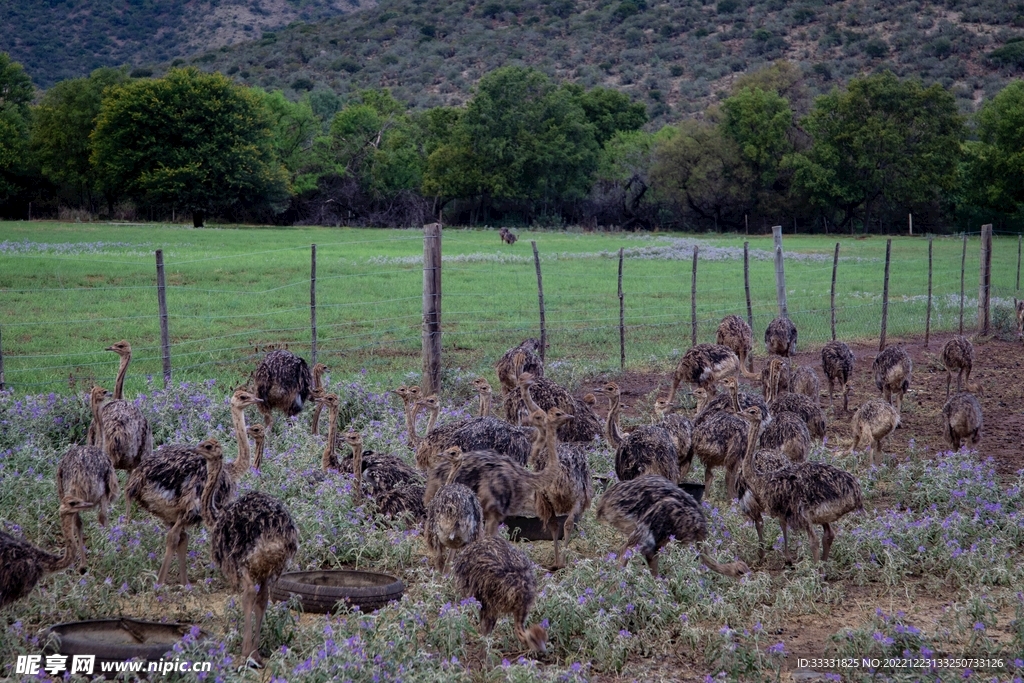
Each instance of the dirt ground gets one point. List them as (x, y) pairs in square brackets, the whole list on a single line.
[(997, 367)]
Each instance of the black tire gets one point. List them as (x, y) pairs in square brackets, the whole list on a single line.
[(326, 591), (147, 640)]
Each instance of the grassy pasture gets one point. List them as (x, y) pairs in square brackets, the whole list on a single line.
[(68, 290)]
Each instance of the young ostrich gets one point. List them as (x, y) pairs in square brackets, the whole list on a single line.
[(804, 380), (718, 441), (251, 542), (786, 433), (651, 510), (23, 564), (501, 578), (780, 337), (585, 425), (1018, 308), (961, 419), (837, 363), (126, 436), (317, 390), (679, 426), (775, 378), (519, 359), (454, 518), (809, 411), (872, 422), (734, 333), (283, 382), (86, 474), (258, 434), (409, 396), (648, 449), (503, 487), (475, 433), (801, 495), (170, 485), (706, 407), (958, 355), (703, 365), (892, 369), (383, 473)]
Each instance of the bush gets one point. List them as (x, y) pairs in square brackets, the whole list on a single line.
[(876, 48), (727, 6)]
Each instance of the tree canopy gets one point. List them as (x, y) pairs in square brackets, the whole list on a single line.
[(15, 94), (996, 160)]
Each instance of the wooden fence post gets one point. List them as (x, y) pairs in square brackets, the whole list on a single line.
[(161, 300), (885, 296), (963, 261), (780, 272), (312, 301), (622, 319), (540, 297), (746, 282), (431, 308), (928, 313), (693, 300), (985, 280), (835, 265)]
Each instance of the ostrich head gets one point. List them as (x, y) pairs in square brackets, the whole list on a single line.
[(98, 395), (536, 638), (482, 386), (243, 398), (256, 432), (121, 348), (211, 450)]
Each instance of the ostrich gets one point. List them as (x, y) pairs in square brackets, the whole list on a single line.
[(483, 388), (251, 542), (648, 449), (679, 426), (774, 378), (703, 365), (585, 425), (454, 518), (23, 564), (707, 407), (503, 487), (124, 350), (812, 415), (872, 422), (837, 363), (717, 442), (170, 484), (801, 495), (125, 434), (475, 433), (651, 510), (409, 396), (735, 333), (258, 433), (381, 472), (786, 433), (1018, 308), (329, 461), (519, 359), (780, 337), (283, 382), (316, 390), (86, 474), (958, 354), (892, 369), (804, 380), (501, 578), (961, 419)]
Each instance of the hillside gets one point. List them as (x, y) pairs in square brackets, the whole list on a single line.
[(60, 39), (675, 55)]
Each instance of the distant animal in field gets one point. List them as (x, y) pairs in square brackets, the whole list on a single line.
[(958, 355), (507, 236), (837, 362)]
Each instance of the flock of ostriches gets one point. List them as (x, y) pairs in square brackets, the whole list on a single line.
[(471, 474)]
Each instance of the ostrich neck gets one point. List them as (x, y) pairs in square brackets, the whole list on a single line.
[(734, 394), (54, 563), (213, 470), (753, 431), (121, 372), (332, 435), (485, 404), (241, 464), (550, 474), (434, 412), (528, 399), (95, 435), (318, 383), (612, 431), (456, 464), (357, 465)]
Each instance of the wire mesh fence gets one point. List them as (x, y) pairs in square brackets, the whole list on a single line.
[(226, 311)]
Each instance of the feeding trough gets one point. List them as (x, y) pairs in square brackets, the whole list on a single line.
[(533, 529), (328, 590), (695, 490), (115, 640)]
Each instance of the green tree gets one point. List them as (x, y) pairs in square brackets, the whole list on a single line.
[(294, 127), (881, 139), (191, 140), (759, 122), (15, 94), (610, 111), (995, 163), (63, 122)]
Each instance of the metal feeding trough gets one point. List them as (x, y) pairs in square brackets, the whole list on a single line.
[(533, 529), (329, 590), (115, 640), (695, 490)]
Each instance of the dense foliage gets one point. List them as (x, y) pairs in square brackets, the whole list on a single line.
[(525, 149)]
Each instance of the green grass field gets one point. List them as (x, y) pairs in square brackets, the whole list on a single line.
[(68, 290)]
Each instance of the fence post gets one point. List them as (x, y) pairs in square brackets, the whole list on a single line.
[(780, 273), (1018, 263), (540, 297), (693, 300), (985, 280), (835, 264), (431, 308), (746, 282), (885, 296), (910, 221), (963, 261), (161, 300), (622, 319), (312, 301), (928, 314)]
